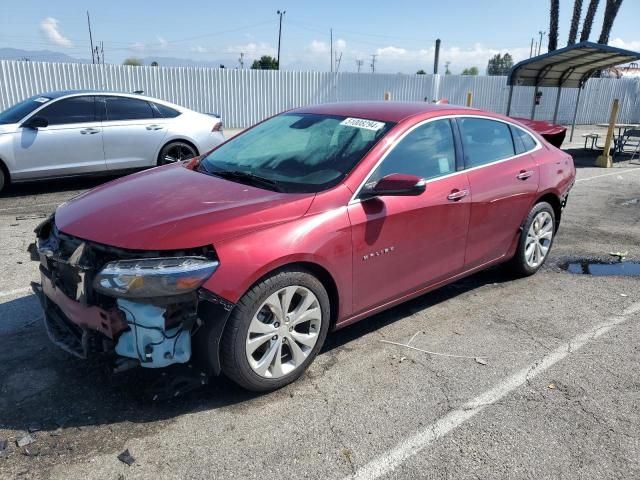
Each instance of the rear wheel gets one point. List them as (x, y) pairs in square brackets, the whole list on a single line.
[(175, 152), (536, 239), (275, 331), (3, 180)]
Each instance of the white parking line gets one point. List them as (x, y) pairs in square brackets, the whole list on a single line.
[(17, 291), (606, 175), (409, 447)]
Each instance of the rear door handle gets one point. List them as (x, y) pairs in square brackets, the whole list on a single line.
[(456, 195), (89, 131), (154, 127), (524, 174)]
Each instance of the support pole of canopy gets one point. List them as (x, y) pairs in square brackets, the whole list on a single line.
[(533, 105), (575, 114), (509, 101), (555, 111)]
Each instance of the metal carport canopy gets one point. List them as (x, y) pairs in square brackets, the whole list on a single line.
[(568, 67)]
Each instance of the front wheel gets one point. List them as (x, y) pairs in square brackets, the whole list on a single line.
[(537, 236), (275, 331)]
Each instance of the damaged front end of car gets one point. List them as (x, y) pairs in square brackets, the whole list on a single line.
[(143, 306)]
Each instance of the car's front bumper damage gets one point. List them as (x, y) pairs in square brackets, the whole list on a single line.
[(152, 333)]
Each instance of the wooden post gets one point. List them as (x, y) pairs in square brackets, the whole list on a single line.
[(605, 159), (387, 96), (469, 99)]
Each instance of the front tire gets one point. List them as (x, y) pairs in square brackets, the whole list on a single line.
[(538, 233), (275, 331)]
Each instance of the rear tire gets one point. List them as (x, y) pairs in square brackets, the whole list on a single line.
[(536, 239), (275, 331), (174, 152), (3, 180)]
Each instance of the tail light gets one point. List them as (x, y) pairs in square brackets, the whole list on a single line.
[(217, 127)]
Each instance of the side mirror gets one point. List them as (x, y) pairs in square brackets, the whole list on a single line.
[(396, 185), (36, 122)]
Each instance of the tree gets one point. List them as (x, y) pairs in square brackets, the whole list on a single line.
[(575, 22), (134, 62), (154, 64), (266, 62), (421, 72), (446, 68), (588, 20), (499, 64), (553, 25), (470, 71), (610, 12)]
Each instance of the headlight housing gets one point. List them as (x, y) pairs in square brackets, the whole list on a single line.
[(154, 277)]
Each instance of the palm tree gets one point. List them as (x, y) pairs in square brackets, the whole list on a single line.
[(610, 12), (553, 25), (588, 20), (575, 22)]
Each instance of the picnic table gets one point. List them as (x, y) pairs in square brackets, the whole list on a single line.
[(622, 128)]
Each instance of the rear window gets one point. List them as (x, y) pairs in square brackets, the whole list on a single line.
[(124, 108)]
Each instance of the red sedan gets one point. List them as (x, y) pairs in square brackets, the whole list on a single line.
[(245, 258)]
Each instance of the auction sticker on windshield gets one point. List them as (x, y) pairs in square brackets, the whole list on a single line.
[(362, 123)]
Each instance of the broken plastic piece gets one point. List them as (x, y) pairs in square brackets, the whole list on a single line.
[(126, 457), (24, 441), (148, 341)]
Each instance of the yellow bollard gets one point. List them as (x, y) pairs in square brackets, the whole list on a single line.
[(387, 96), (605, 159), (469, 99)]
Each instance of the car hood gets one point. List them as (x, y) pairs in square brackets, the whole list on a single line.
[(173, 207), (8, 128)]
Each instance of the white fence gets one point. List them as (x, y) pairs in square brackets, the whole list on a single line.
[(244, 97)]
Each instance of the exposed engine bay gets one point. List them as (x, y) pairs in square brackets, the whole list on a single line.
[(144, 307)]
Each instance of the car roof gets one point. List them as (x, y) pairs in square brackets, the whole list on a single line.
[(383, 111), (66, 93)]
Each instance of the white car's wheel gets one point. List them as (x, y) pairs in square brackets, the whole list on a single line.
[(175, 152)]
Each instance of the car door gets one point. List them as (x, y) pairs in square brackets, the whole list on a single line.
[(71, 143), (133, 132), (503, 186), (401, 244)]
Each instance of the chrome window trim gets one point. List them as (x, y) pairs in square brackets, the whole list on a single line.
[(354, 198)]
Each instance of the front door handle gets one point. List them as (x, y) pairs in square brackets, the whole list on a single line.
[(89, 131), (154, 127), (456, 195), (524, 174)]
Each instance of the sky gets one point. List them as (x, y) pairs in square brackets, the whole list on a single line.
[(401, 33)]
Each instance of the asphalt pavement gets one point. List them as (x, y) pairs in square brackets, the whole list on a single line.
[(502, 378)]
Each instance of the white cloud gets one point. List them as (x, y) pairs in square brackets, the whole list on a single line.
[(620, 43), (199, 49), (339, 45), (253, 49), (162, 43), (138, 47), (49, 28), (321, 48)]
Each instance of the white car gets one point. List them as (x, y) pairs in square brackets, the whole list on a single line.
[(60, 134)]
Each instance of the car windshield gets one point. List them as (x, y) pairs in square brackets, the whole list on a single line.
[(20, 110), (296, 152)]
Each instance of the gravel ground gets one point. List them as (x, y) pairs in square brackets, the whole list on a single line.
[(547, 385)]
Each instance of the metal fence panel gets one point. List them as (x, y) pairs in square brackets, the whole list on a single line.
[(244, 97)]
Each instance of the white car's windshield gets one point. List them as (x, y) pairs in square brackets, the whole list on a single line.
[(296, 152), (20, 110)]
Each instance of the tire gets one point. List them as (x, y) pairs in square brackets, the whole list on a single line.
[(176, 151), (274, 358), (539, 236), (3, 180)]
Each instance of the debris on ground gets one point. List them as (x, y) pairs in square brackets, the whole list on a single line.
[(3, 445), (56, 433), (126, 457), (24, 441), (31, 216), (33, 429), (620, 255), (551, 386), (624, 295), (481, 361)]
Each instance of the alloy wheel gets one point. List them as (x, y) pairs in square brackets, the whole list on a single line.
[(283, 331), (539, 239), (178, 152)]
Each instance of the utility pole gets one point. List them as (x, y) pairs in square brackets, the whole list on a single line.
[(436, 57), (281, 13), (540, 44), (535, 47), (359, 64), (331, 47), (102, 51), (97, 55), (241, 60), (531, 49), (93, 58), (373, 62)]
